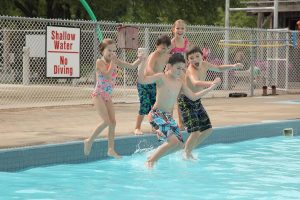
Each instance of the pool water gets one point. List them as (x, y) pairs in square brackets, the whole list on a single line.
[(267, 168), (289, 102)]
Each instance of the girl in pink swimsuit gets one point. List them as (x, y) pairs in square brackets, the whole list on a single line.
[(179, 44), (102, 94), (105, 86)]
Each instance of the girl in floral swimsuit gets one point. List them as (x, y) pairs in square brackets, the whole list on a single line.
[(102, 95), (104, 86)]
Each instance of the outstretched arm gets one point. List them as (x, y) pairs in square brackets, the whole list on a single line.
[(195, 96), (148, 79), (196, 82), (121, 63), (222, 68)]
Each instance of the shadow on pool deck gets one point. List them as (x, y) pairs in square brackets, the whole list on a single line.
[(24, 127)]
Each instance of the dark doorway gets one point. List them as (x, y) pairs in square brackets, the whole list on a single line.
[(292, 23)]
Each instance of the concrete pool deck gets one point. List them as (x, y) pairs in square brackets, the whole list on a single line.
[(51, 125)]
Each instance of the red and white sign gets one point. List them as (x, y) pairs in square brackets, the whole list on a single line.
[(63, 52)]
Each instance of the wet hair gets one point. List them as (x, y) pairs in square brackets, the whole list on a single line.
[(163, 39), (194, 49), (105, 43), (176, 58), (176, 22)]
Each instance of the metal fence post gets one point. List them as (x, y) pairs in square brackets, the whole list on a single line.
[(252, 70), (95, 52), (6, 41), (226, 49), (123, 56), (146, 36), (287, 62), (26, 65)]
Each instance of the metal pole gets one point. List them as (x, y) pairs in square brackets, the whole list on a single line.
[(276, 60), (252, 9), (6, 46), (226, 49), (252, 72), (227, 5), (26, 66), (96, 53), (123, 55), (146, 37), (275, 26), (287, 62), (275, 16)]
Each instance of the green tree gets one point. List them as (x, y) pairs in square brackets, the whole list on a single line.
[(8, 8), (236, 18), (195, 12), (65, 9)]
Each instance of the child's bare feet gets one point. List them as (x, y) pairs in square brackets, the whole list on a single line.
[(188, 156), (138, 132), (87, 147), (114, 154)]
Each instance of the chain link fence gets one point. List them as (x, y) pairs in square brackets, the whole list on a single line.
[(267, 55)]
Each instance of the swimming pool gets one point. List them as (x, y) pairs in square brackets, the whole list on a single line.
[(266, 168), (288, 102)]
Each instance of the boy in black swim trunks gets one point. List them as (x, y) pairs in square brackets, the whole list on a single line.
[(194, 115), (169, 85)]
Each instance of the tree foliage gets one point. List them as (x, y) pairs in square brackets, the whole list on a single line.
[(196, 12)]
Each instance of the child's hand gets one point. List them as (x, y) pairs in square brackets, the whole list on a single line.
[(217, 81), (213, 86), (238, 66), (142, 53), (114, 58), (142, 65), (141, 56)]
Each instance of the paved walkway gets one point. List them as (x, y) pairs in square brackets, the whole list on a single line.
[(23, 127)]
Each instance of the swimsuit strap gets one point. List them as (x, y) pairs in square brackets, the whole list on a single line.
[(180, 49), (186, 42)]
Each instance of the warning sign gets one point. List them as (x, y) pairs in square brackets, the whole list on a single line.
[(63, 52)]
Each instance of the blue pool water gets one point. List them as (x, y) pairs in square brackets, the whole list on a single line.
[(289, 102), (267, 168)]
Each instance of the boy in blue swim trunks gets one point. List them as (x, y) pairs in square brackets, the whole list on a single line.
[(147, 92), (194, 115), (169, 85)]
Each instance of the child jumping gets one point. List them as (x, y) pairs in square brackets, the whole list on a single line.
[(102, 95), (147, 92), (169, 85), (194, 115)]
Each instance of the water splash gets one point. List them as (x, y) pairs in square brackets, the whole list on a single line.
[(143, 147)]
